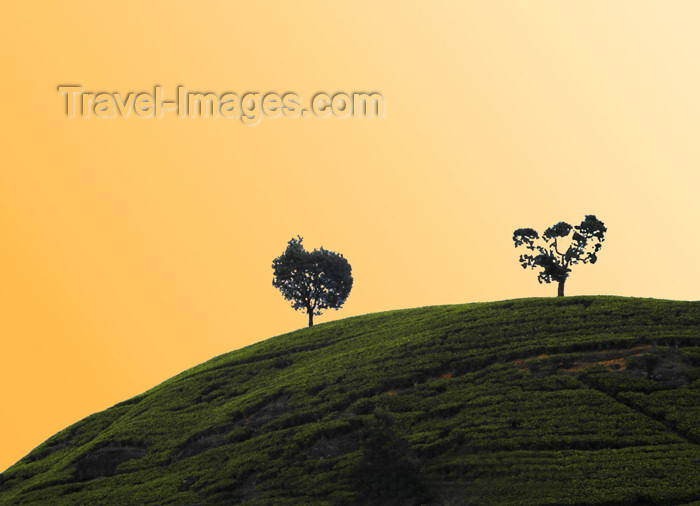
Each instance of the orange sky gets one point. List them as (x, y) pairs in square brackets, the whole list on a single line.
[(133, 249)]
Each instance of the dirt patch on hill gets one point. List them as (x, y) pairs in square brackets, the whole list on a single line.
[(214, 437), (331, 447), (104, 459), (612, 360), (667, 365), (268, 412)]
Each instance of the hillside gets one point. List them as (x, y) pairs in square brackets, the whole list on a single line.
[(577, 400)]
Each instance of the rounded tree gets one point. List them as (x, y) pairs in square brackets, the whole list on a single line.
[(312, 280), (549, 255)]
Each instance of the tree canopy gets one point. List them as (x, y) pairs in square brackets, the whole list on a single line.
[(548, 253), (312, 280)]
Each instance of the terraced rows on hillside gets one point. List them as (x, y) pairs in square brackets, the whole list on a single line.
[(580, 400)]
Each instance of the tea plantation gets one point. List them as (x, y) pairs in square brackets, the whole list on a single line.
[(576, 400)]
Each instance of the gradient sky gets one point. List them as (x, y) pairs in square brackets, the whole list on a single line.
[(133, 249)]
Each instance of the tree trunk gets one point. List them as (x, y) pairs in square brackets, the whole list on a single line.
[(560, 292), (311, 317)]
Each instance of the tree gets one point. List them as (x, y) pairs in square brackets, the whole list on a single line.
[(584, 245), (312, 280)]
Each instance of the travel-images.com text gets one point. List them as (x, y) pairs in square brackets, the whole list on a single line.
[(249, 107)]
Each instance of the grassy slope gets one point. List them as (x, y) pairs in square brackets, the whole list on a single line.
[(493, 402)]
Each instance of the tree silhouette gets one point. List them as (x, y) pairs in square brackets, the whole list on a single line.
[(584, 245), (312, 280)]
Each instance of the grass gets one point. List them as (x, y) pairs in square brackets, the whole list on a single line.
[(577, 400)]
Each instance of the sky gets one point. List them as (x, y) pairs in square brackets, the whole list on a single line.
[(134, 248)]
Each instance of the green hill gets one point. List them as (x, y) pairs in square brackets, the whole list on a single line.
[(577, 400)]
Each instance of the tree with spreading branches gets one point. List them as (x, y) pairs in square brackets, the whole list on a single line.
[(548, 252), (312, 280)]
